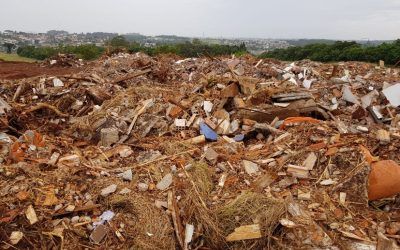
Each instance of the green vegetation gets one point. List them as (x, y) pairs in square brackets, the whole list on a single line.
[(339, 51), (190, 49), (14, 58), (119, 43), (9, 47), (87, 52)]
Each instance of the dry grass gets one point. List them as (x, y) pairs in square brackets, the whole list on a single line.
[(148, 226), (15, 58), (217, 223), (250, 208)]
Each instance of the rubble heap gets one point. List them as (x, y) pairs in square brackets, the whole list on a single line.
[(201, 153)]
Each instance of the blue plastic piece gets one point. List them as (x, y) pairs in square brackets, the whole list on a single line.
[(239, 137), (208, 132)]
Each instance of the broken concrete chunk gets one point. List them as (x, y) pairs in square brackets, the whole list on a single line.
[(165, 182), (307, 83), (383, 136), (108, 190), (143, 187), (57, 83), (369, 98), (180, 123), (245, 233), (207, 106), (250, 167), (348, 95), (125, 191), (127, 175), (211, 155), (108, 136), (224, 127)]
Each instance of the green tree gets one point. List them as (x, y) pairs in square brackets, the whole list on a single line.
[(9, 47), (119, 42)]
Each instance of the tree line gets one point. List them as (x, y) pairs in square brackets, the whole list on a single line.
[(339, 51), (87, 51), (194, 48)]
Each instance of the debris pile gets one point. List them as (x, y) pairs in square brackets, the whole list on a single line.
[(201, 153), (63, 60)]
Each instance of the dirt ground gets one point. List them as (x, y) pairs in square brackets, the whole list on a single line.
[(19, 70)]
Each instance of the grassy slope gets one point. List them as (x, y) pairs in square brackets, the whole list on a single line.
[(15, 58)]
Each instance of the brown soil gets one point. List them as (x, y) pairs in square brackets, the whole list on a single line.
[(18, 70)]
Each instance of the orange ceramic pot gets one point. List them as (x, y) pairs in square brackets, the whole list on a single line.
[(384, 180)]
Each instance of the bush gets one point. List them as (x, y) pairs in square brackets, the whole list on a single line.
[(190, 49), (339, 51), (87, 52)]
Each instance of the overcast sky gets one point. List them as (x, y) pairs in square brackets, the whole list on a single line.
[(337, 19)]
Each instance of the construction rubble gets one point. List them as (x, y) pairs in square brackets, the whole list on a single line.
[(140, 152)]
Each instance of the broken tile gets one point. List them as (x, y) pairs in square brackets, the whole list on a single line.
[(392, 93)]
